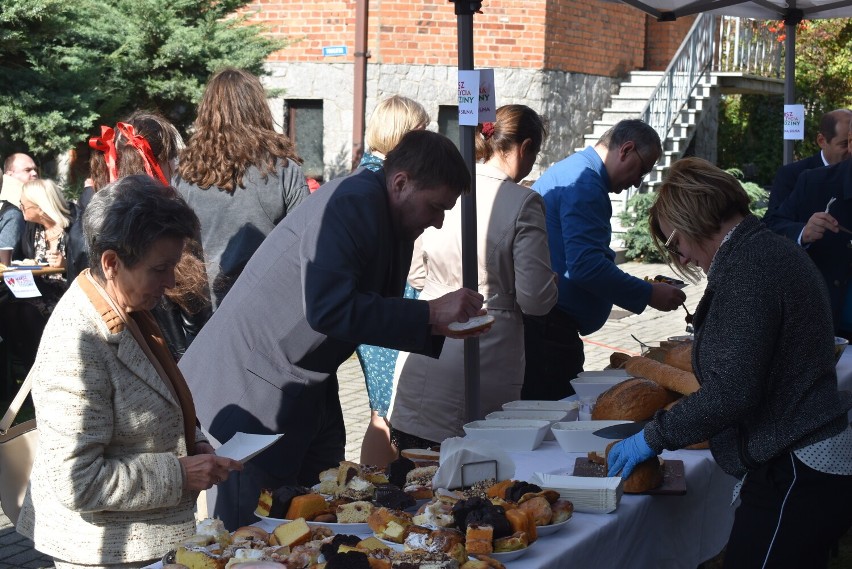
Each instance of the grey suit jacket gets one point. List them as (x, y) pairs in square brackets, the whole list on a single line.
[(330, 276), (786, 177)]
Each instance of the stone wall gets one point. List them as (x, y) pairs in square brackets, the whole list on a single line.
[(707, 129), (570, 101)]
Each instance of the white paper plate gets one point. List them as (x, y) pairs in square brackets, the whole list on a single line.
[(473, 324), (357, 529), (552, 528)]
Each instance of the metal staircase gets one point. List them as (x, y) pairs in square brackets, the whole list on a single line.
[(630, 102), (672, 101)]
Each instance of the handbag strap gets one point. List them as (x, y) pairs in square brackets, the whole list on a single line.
[(16, 405)]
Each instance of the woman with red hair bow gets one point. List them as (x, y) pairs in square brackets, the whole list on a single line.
[(146, 143)]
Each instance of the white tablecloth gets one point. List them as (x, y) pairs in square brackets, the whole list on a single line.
[(665, 532), (645, 531)]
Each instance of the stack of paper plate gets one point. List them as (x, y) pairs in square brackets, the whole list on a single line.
[(588, 494)]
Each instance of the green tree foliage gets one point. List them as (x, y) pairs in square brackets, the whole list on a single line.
[(750, 132), (750, 129), (823, 73), (69, 65)]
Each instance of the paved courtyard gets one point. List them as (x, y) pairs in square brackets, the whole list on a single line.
[(651, 326)]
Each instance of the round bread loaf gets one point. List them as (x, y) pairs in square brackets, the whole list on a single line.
[(618, 359), (634, 399), (680, 356), (646, 476)]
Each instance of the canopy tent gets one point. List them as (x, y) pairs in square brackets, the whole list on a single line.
[(791, 11)]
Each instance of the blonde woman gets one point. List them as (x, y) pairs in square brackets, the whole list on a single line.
[(47, 239), (50, 216), (392, 118)]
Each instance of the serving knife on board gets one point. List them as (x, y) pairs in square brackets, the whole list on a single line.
[(621, 431)]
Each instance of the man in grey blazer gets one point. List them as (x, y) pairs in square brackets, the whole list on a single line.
[(329, 277)]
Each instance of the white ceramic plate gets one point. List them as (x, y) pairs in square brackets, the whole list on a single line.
[(552, 528), (391, 544), (357, 529), (509, 555), (501, 557)]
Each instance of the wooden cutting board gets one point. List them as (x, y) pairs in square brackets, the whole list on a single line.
[(674, 479)]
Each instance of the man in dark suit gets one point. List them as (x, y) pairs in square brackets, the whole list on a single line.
[(329, 277), (810, 218), (834, 148)]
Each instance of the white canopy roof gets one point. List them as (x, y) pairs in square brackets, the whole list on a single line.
[(762, 9)]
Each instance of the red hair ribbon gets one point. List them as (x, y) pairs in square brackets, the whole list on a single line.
[(137, 141), (487, 130), (106, 143)]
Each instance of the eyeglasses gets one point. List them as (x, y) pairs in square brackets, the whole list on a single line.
[(645, 171), (672, 247)]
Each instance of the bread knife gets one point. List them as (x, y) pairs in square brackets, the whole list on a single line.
[(621, 431)]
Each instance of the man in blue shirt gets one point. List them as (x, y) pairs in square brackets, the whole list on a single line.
[(578, 210)]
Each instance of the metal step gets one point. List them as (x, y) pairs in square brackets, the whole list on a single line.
[(623, 103), (638, 91)]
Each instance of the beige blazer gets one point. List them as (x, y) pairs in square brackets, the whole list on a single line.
[(106, 485), (514, 264)]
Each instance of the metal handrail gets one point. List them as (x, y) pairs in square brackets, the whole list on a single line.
[(744, 46), (693, 59), (747, 46)]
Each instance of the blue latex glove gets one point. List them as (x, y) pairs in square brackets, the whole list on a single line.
[(626, 454)]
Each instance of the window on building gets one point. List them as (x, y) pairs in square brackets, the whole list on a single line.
[(304, 127), (448, 122)]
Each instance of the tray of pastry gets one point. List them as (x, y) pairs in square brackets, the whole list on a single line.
[(674, 478)]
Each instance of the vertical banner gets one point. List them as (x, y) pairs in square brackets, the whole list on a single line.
[(794, 122), (477, 99), (487, 98)]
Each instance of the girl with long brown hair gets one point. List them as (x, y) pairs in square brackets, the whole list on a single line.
[(239, 175)]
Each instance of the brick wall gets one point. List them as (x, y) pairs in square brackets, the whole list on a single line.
[(663, 40), (592, 37)]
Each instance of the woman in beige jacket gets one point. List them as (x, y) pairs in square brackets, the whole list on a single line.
[(120, 459), (513, 264)]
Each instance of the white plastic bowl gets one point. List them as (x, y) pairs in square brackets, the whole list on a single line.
[(593, 385), (839, 346), (604, 373), (536, 415), (567, 406), (510, 434), (576, 436)]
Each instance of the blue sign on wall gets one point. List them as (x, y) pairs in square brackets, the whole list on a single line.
[(332, 50)]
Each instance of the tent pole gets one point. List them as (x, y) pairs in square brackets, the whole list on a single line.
[(791, 20), (362, 11), (464, 10)]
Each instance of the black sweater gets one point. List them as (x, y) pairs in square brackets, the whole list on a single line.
[(764, 355)]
